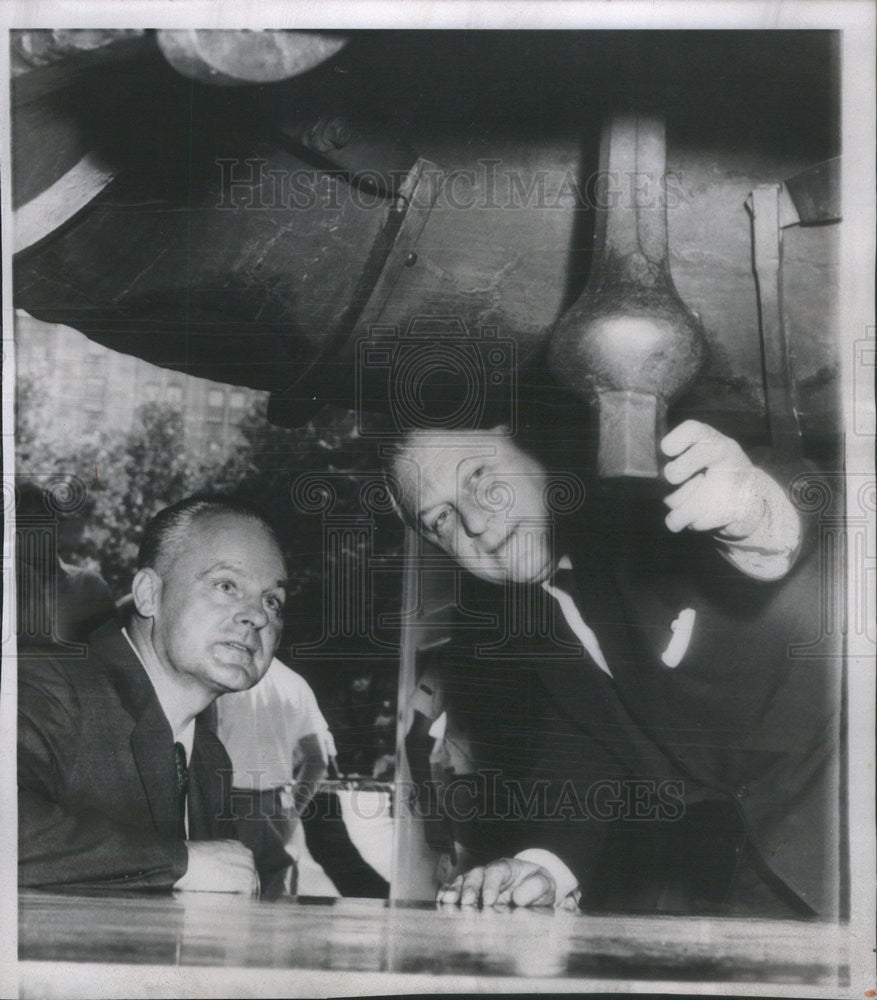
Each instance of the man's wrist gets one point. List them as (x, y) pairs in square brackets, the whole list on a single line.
[(768, 550)]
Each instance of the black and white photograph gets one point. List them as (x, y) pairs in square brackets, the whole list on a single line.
[(438, 499)]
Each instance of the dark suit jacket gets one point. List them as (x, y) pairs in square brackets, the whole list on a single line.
[(752, 711), (96, 774), (746, 722)]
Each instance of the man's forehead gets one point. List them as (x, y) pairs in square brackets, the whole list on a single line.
[(228, 538), (448, 449), (229, 524), (433, 465)]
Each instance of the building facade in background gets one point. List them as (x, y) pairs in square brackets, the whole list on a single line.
[(84, 387)]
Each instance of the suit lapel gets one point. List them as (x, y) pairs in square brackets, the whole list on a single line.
[(151, 735), (633, 627), (152, 747), (599, 605), (585, 693)]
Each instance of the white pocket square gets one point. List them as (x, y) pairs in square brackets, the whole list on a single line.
[(682, 630)]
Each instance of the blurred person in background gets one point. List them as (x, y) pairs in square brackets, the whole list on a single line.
[(57, 601), (279, 744)]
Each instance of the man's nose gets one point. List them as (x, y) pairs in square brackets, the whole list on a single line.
[(252, 614), (474, 517)]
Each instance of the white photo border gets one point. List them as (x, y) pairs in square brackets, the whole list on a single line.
[(856, 21)]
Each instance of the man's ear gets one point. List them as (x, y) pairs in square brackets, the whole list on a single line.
[(146, 591)]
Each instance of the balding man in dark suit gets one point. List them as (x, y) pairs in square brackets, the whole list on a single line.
[(120, 784), (669, 752)]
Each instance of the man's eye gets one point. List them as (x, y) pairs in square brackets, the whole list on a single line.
[(226, 586), (442, 520), (274, 604)]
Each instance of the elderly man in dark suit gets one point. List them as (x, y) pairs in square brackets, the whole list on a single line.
[(650, 742), (120, 783)]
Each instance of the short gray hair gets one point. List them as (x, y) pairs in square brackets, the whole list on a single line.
[(167, 531)]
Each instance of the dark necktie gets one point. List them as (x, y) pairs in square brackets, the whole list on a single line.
[(565, 579), (181, 786)]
